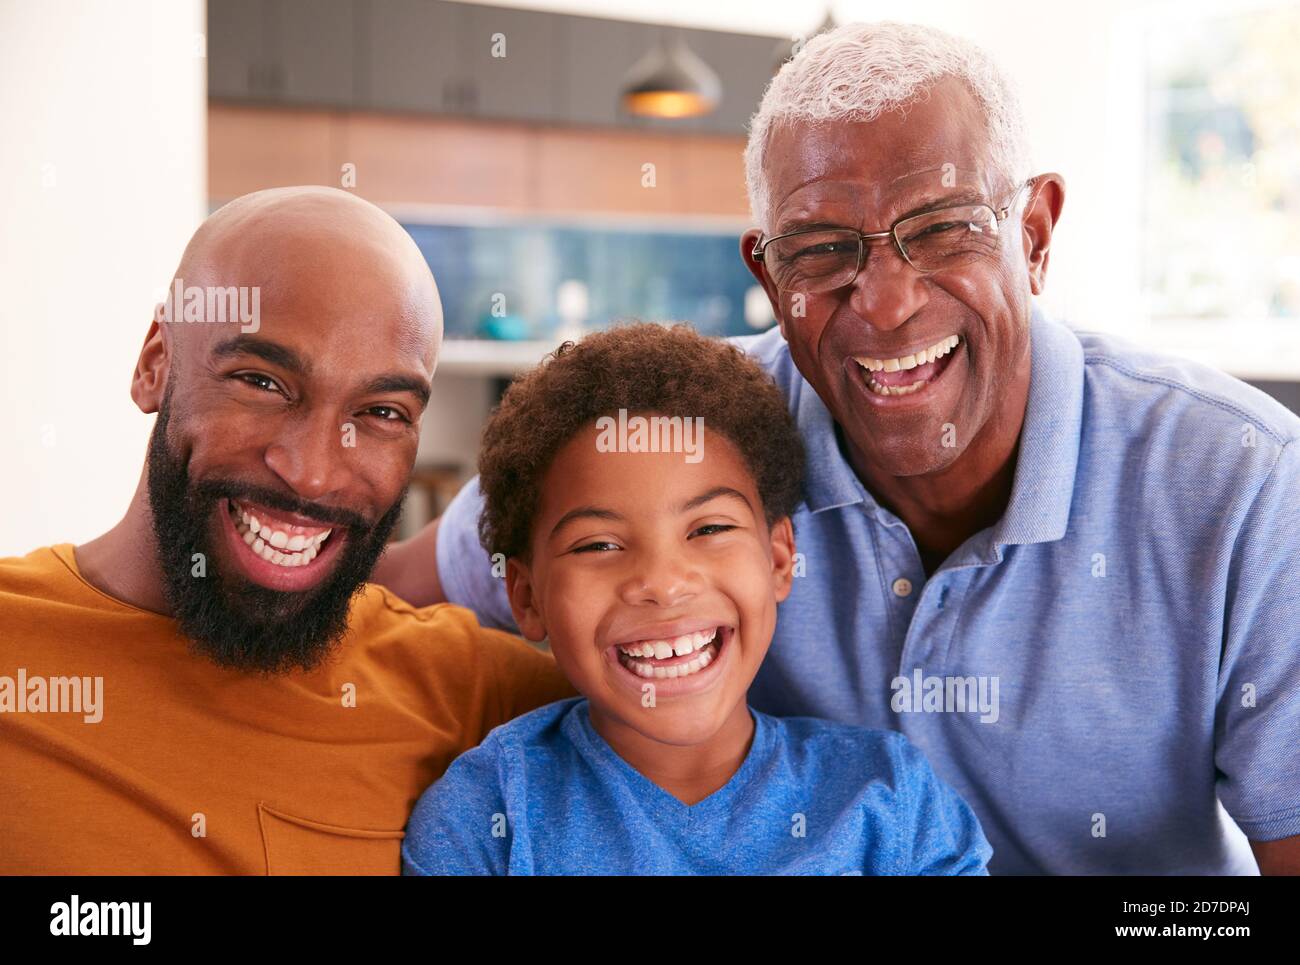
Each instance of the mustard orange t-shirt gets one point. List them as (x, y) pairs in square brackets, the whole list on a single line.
[(122, 751)]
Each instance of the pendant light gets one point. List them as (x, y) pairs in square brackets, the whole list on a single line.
[(671, 80)]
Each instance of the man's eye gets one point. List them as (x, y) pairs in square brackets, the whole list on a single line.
[(598, 547), (825, 249), (712, 529), (943, 227), (388, 414), (258, 380)]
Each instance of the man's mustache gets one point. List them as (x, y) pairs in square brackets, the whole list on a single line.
[(274, 499)]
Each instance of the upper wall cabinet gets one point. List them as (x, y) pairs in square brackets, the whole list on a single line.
[(746, 64), (595, 56), (513, 63), (286, 51), (436, 56), (412, 56)]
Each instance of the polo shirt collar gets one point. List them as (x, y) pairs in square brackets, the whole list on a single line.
[(1039, 509)]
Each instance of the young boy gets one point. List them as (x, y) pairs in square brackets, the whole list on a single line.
[(639, 487)]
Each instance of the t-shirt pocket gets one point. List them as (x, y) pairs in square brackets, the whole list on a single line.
[(301, 846)]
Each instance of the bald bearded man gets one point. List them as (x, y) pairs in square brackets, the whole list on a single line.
[(212, 686)]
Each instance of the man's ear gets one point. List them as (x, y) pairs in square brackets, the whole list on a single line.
[(149, 381), (523, 601), (782, 534), (1039, 220), (759, 271)]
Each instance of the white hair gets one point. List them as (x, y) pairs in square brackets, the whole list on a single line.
[(861, 70)]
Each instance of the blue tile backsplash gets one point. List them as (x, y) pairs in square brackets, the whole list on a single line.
[(647, 275)]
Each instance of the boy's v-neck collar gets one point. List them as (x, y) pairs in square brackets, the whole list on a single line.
[(580, 731)]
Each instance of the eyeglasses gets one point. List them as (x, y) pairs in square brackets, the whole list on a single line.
[(816, 260)]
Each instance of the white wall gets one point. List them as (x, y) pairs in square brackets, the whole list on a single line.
[(102, 180)]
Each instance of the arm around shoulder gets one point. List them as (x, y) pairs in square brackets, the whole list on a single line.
[(410, 568)]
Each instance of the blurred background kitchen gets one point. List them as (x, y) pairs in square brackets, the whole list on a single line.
[(566, 164)]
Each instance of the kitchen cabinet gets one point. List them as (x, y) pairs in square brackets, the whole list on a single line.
[(316, 42), (283, 51), (745, 65), (440, 57), (523, 84), (596, 56), (411, 56), (238, 54)]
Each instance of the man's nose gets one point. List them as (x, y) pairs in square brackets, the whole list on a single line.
[(309, 455), (888, 291), (660, 578)]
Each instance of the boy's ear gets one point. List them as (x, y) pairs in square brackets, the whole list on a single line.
[(782, 534), (523, 601)]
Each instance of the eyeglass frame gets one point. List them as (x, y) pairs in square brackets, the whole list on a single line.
[(999, 214)]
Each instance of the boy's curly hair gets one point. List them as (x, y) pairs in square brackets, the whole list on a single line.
[(643, 368)]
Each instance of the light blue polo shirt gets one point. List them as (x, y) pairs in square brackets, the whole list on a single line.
[(1095, 672)]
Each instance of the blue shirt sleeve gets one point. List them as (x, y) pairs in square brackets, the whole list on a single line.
[(946, 837), (1256, 751), (460, 824), (464, 567)]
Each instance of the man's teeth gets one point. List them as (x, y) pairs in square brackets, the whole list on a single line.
[(664, 649), (271, 544), (936, 351)]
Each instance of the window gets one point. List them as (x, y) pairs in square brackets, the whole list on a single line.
[(1221, 238)]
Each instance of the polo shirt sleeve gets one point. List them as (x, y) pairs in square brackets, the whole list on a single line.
[(459, 825), (1257, 718), (464, 568)]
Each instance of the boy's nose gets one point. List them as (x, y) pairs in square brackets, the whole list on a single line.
[(661, 581)]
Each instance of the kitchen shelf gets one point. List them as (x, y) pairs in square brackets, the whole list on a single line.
[(487, 357)]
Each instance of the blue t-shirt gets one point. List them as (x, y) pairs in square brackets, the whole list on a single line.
[(545, 794), (1132, 621)]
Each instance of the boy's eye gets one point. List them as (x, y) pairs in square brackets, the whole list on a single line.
[(712, 528), (598, 547)]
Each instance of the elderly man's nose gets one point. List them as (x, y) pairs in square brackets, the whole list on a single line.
[(888, 291), (310, 457)]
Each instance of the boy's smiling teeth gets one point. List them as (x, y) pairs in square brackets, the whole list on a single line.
[(701, 643), (283, 544)]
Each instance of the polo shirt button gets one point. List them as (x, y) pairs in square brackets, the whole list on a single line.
[(902, 586)]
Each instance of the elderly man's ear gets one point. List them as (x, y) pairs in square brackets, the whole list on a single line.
[(747, 242), (1046, 199)]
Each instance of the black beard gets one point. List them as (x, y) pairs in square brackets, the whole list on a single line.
[(231, 620)]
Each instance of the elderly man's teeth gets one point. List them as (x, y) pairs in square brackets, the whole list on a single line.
[(936, 351), (897, 389)]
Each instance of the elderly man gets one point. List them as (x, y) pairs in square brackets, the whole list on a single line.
[(210, 686), (1066, 568)]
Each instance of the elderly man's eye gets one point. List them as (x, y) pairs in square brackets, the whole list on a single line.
[(943, 227), (826, 248)]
